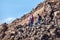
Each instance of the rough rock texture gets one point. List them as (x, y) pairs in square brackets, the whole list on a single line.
[(49, 29)]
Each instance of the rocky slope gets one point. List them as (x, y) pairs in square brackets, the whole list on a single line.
[(49, 29)]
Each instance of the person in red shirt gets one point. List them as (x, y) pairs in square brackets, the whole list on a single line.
[(31, 20)]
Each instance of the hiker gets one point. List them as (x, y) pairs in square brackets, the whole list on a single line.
[(31, 20), (39, 19)]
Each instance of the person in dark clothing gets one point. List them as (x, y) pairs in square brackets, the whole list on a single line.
[(39, 19)]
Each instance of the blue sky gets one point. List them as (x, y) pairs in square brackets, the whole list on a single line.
[(12, 9)]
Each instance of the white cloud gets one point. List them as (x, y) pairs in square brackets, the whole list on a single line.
[(8, 20)]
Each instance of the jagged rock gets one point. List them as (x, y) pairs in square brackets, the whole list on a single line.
[(48, 29), (7, 37), (3, 27)]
